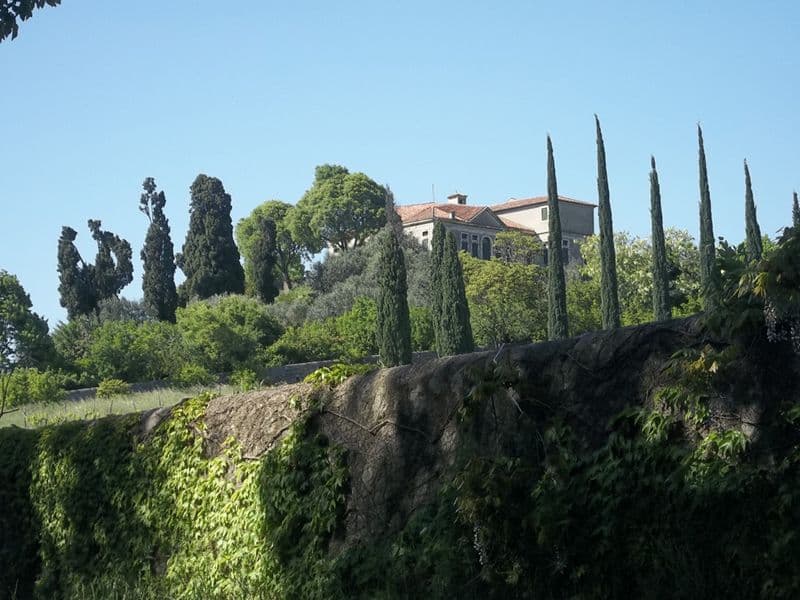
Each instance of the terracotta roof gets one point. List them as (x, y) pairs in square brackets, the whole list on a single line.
[(523, 202), (411, 213), (514, 225)]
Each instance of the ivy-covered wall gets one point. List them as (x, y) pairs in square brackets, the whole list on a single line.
[(671, 498)]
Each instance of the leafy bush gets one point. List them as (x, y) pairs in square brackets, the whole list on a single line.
[(112, 387), (227, 332), (26, 386), (338, 373), (192, 374), (244, 379)]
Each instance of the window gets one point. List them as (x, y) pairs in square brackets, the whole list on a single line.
[(565, 251), (487, 248), (544, 214), (465, 242), (474, 251), (424, 234)]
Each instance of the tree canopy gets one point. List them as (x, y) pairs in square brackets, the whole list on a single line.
[(210, 259), (341, 209), (12, 11), (289, 252), (24, 341)]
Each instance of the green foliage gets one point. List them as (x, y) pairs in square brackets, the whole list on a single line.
[(609, 299), (507, 300), (245, 380), (158, 256), (289, 253), (341, 209), (83, 286), (191, 375), (795, 211), (226, 332), (454, 331), (635, 281), (557, 320), (316, 340), (662, 310), (262, 261), (210, 259), (709, 277), (517, 247), (422, 334), (752, 230), (393, 324), (24, 386), (356, 329), (13, 11), (112, 387), (338, 373), (24, 341)]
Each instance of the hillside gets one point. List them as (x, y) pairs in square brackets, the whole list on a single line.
[(651, 461)]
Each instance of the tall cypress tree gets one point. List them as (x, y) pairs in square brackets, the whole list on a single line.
[(393, 321), (661, 306), (752, 230), (455, 335), (210, 259), (557, 325), (263, 258), (609, 298), (795, 211), (709, 278), (437, 257), (74, 287), (158, 256)]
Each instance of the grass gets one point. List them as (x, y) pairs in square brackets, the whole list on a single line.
[(40, 414)]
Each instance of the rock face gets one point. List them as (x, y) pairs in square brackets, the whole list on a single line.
[(400, 425)]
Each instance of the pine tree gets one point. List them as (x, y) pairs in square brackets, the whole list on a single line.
[(263, 258), (557, 325), (709, 279), (210, 259), (393, 321), (455, 330), (437, 256), (753, 242), (661, 305), (795, 211), (158, 257), (609, 298)]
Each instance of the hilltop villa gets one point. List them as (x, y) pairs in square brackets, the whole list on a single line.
[(476, 226)]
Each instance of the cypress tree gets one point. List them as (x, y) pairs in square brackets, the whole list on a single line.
[(709, 279), (437, 256), (753, 247), (557, 325), (74, 287), (210, 259), (158, 256), (393, 321), (661, 306), (795, 211), (263, 259), (609, 298), (455, 329)]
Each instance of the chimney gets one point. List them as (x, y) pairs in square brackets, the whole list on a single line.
[(457, 198)]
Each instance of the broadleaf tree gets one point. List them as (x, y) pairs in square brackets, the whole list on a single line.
[(341, 209)]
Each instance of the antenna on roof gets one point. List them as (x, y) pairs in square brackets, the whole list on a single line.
[(433, 193)]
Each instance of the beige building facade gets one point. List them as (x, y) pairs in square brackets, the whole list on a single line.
[(475, 227)]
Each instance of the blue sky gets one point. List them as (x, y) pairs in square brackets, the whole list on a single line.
[(96, 96)]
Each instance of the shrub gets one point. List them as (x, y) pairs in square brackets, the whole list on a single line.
[(245, 379), (191, 374), (225, 333), (26, 386), (112, 387)]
